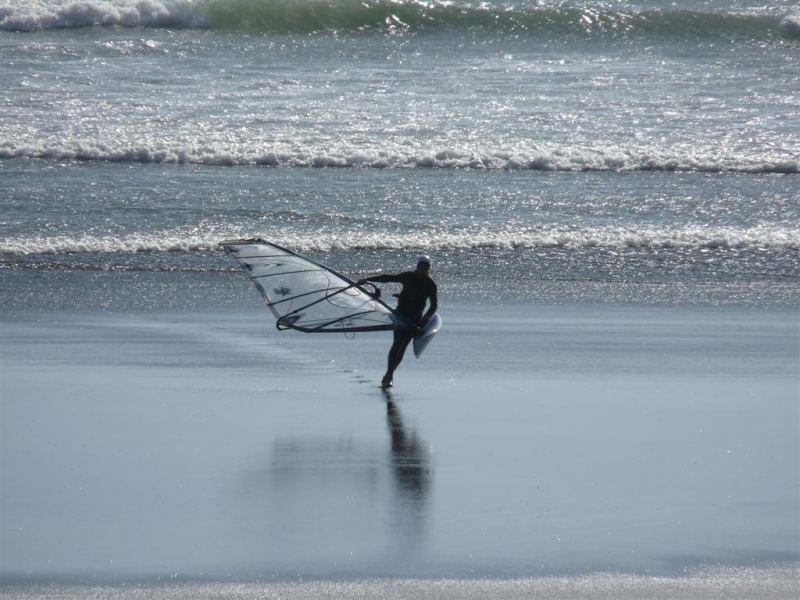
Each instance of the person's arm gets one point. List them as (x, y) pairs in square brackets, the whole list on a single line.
[(380, 279), (434, 304)]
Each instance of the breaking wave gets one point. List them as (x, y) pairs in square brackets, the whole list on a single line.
[(33, 15), (791, 25), (643, 238), (567, 159), (304, 16)]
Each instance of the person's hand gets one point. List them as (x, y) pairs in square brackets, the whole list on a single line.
[(362, 281)]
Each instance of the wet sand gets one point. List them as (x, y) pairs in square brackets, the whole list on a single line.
[(575, 450)]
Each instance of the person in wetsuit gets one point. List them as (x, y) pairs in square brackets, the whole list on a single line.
[(418, 289)]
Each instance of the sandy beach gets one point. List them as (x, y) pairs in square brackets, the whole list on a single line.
[(201, 453), (608, 194)]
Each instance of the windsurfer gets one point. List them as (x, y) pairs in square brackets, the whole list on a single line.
[(418, 289)]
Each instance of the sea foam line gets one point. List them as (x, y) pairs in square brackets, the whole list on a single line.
[(643, 238), (571, 159)]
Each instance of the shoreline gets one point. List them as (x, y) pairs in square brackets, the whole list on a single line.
[(768, 582)]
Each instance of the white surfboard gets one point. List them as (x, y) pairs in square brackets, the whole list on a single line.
[(424, 337)]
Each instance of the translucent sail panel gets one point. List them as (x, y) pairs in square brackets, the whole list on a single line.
[(305, 295)]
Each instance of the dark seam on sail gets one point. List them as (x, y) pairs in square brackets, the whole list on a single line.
[(259, 256), (284, 273)]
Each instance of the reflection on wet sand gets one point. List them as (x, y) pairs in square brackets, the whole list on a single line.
[(331, 496), (410, 457), (411, 467)]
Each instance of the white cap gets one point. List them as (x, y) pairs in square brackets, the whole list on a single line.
[(424, 259)]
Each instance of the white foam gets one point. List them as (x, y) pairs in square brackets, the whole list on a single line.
[(32, 15), (90, 244), (439, 240), (549, 159)]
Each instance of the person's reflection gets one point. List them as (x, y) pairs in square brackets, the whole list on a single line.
[(411, 467)]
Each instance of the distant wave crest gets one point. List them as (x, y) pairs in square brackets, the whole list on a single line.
[(565, 159), (305, 16), (33, 15)]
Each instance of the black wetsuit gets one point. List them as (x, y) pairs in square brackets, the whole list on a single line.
[(417, 291)]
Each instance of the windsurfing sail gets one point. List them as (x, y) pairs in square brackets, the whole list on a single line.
[(306, 295)]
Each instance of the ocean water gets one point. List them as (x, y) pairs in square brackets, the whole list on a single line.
[(644, 151)]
